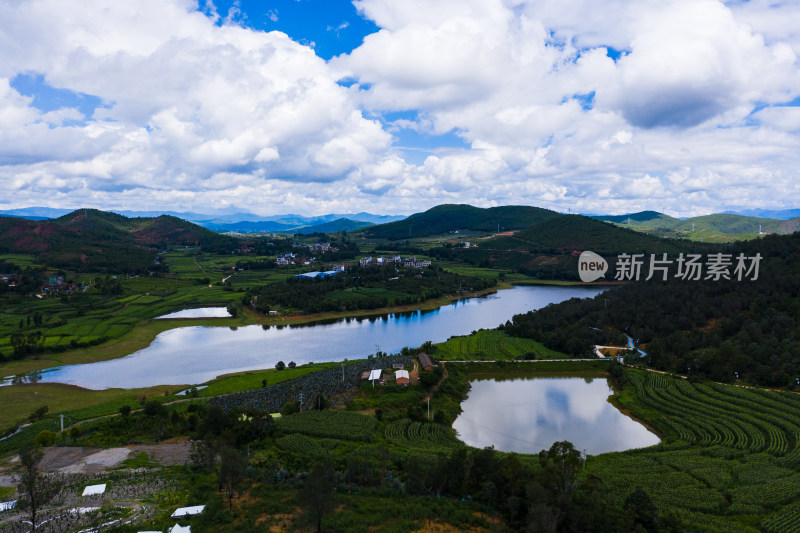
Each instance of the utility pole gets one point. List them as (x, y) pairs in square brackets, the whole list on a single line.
[(342, 371)]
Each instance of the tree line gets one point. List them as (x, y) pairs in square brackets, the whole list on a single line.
[(709, 329)]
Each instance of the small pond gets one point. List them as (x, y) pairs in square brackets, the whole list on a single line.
[(529, 414), (199, 312)]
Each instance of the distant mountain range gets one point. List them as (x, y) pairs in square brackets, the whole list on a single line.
[(240, 222), (723, 223)]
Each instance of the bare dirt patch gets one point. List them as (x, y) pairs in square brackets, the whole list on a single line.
[(77, 460)]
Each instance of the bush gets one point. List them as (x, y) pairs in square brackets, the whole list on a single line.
[(125, 410), (280, 365), (45, 438), (290, 408), (153, 407)]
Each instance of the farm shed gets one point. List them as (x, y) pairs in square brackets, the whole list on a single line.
[(426, 361), (94, 490), (188, 511), (7, 506), (401, 376)]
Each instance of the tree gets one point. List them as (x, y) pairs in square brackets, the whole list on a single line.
[(38, 414), (317, 496), (280, 365), (34, 488), (641, 508), (560, 465), (232, 468)]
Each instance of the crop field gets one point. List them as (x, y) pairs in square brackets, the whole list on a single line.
[(420, 435), (88, 318), (493, 345), (253, 380), (468, 270), (298, 443), (330, 424), (729, 456)]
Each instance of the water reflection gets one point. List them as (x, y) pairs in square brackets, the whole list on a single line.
[(199, 312), (527, 415), (197, 354)]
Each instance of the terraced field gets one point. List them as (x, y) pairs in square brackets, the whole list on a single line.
[(730, 455), (419, 435)]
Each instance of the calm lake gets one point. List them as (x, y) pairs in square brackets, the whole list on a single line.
[(199, 312), (191, 355), (526, 415)]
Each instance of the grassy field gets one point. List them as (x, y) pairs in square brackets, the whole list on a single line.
[(19, 401), (493, 345), (252, 380)]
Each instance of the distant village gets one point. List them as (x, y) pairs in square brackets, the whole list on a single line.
[(55, 284), (307, 255)]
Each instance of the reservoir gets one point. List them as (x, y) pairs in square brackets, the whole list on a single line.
[(529, 414), (199, 312), (192, 355)]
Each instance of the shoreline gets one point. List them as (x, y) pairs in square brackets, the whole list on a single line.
[(146, 332)]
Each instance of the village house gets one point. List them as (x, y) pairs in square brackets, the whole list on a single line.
[(425, 361), (401, 377)]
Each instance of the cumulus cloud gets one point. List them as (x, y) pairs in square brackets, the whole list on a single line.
[(676, 105)]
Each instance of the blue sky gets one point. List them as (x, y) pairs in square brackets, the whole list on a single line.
[(333, 26), (681, 106)]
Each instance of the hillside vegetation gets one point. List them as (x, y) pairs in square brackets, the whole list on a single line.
[(725, 223), (89, 240), (458, 217), (704, 328), (549, 249)]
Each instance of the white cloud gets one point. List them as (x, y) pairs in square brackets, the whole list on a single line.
[(200, 112)]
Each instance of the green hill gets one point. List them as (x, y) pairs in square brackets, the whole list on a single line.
[(643, 219), (549, 249), (729, 224), (459, 217), (340, 224), (569, 233), (93, 240), (706, 225)]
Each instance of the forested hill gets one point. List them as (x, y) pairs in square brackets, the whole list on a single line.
[(459, 217), (706, 328), (549, 249), (577, 232), (93, 240)]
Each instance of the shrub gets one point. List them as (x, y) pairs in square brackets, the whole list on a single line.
[(45, 438)]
